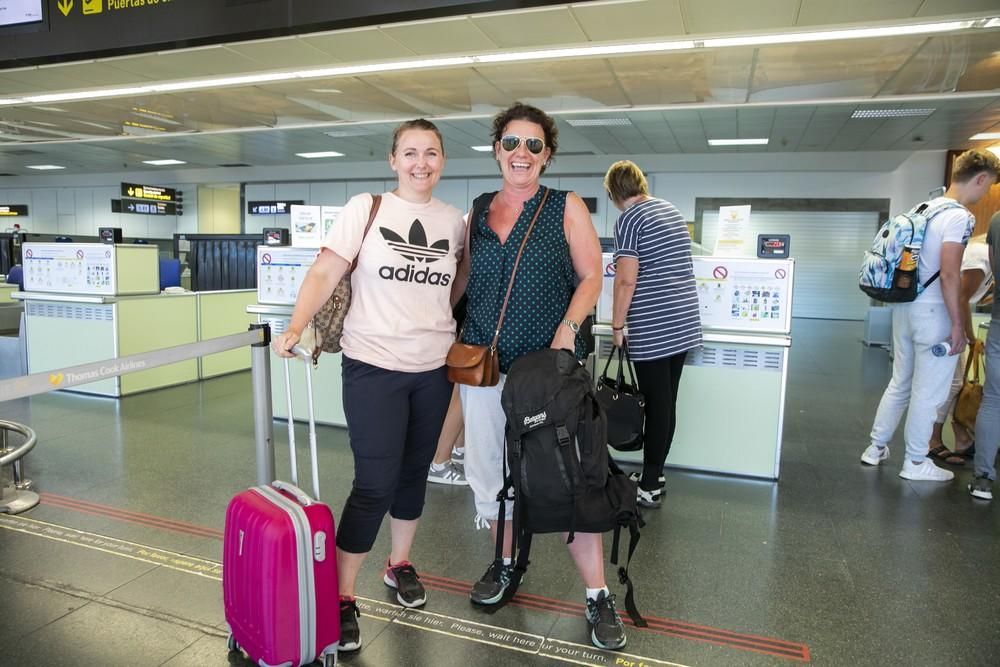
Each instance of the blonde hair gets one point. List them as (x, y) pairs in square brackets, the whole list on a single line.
[(624, 180), (969, 164)]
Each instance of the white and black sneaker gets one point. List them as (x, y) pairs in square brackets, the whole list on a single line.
[(493, 584), (350, 633), (606, 628), (636, 476), (447, 473), (651, 499)]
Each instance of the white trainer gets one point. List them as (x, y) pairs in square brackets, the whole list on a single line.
[(873, 455), (925, 472)]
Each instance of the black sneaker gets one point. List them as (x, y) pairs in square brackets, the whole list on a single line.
[(350, 633), (404, 578), (492, 585), (981, 487), (606, 628)]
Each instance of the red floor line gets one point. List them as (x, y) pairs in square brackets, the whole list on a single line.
[(133, 519), (134, 516), (780, 644), (698, 635), (706, 634), (138, 515), (744, 645)]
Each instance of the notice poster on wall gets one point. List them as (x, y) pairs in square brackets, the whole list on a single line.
[(280, 270), (73, 268), (307, 227), (745, 294), (733, 238), (606, 299), (329, 215)]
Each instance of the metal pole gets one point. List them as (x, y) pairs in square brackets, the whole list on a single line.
[(263, 426)]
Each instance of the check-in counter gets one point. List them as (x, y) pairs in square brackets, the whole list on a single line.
[(89, 302), (731, 400), (280, 272), (730, 404), (328, 398), (64, 330), (220, 314), (10, 308)]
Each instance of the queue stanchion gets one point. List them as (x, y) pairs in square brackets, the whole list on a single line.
[(263, 426), (15, 496)]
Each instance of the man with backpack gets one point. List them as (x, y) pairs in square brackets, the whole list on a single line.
[(927, 331)]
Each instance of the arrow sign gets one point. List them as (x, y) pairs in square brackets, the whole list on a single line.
[(131, 207), (65, 6)]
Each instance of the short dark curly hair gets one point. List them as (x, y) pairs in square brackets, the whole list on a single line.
[(521, 111)]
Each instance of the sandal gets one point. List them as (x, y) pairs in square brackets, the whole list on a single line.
[(966, 453), (941, 453)]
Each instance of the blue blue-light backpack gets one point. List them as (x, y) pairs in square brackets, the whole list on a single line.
[(878, 270)]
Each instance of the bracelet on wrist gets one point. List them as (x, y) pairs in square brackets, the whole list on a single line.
[(614, 328)]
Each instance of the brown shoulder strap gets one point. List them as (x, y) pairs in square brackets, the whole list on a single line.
[(376, 202), (513, 273)]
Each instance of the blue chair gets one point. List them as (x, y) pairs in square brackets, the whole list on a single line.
[(170, 273), (16, 276)]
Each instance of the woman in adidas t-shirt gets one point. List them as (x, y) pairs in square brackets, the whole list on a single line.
[(396, 336)]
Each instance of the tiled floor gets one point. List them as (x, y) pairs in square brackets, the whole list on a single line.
[(838, 564)]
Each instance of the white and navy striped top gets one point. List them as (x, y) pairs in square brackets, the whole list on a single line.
[(663, 318)]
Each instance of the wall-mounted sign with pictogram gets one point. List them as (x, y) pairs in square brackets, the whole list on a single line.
[(744, 294), (150, 192)]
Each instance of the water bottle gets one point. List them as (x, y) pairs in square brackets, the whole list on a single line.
[(941, 349), (906, 272)]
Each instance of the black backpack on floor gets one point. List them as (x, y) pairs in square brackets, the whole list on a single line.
[(559, 469)]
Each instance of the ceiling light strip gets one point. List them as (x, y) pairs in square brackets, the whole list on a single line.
[(507, 57)]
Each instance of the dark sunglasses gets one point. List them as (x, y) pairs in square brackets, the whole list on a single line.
[(510, 143)]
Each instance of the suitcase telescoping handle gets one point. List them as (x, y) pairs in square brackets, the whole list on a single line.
[(306, 356)]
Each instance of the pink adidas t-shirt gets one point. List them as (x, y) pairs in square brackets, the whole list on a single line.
[(400, 316)]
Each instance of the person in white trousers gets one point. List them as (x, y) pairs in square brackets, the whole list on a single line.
[(920, 379)]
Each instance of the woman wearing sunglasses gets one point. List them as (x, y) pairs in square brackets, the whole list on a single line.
[(558, 281)]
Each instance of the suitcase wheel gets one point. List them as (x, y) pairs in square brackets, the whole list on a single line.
[(231, 644)]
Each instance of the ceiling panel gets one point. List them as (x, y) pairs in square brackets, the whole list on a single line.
[(683, 78), (454, 35), (283, 53), (62, 77), (944, 7), (951, 63), (645, 19), (361, 45), (714, 16), (828, 69), (824, 12), (584, 84), (441, 92), (536, 28), (188, 64)]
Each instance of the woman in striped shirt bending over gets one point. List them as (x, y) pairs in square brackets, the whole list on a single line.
[(655, 308)]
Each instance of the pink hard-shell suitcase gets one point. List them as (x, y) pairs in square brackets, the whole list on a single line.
[(279, 576)]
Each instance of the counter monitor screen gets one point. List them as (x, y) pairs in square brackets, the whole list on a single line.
[(773, 246), (19, 12)]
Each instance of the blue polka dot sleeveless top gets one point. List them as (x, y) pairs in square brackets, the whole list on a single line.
[(542, 289)]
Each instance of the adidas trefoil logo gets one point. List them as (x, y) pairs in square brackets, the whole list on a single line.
[(415, 249)]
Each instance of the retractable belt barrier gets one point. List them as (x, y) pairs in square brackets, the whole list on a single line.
[(66, 378), (258, 338)]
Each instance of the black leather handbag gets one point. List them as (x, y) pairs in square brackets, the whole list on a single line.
[(622, 402)]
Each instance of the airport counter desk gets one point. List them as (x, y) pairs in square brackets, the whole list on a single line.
[(731, 400), (65, 330), (327, 385)]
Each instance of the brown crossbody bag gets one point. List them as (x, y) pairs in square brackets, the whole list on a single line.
[(479, 365)]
